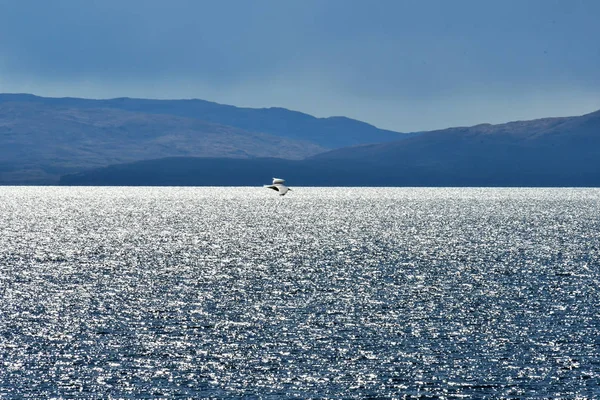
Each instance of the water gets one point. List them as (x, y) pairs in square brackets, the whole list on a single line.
[(324, 293)]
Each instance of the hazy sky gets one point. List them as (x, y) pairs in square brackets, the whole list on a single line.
[(398, 64)]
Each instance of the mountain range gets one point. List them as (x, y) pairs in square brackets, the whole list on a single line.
[(543, 152), (195, 142), (43, 138)]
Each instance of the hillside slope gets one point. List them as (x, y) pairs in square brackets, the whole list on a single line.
[(547, 152), (40, 142), (330, 132)]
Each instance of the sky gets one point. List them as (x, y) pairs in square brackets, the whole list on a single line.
[(404, 65)]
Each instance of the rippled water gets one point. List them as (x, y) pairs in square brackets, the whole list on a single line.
[(237, 292)]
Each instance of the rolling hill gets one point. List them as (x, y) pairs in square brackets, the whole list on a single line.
[(38, 143), (43, 138), (331, 132), (545, 152)]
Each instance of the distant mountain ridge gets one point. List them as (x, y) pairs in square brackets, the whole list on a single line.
[(331, 132), (194, 142), (433, 146), (42, 138), (40, 142), (546, 152)]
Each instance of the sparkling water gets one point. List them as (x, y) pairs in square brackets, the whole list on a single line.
[(323, 293)]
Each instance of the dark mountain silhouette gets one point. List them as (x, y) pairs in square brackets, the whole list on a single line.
[(43, 138), (38, 143), (197, 171), (545, 152), (332, 132)]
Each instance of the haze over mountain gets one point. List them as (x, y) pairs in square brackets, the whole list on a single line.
[(403, 65), (544, 152), (43, 138), (329, 132)]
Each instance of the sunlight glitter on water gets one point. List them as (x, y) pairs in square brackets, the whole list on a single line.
[(337, 292)]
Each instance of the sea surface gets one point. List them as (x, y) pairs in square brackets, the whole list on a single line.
[(324, 293)]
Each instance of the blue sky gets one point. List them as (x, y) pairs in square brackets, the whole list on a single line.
[(398, 64)]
